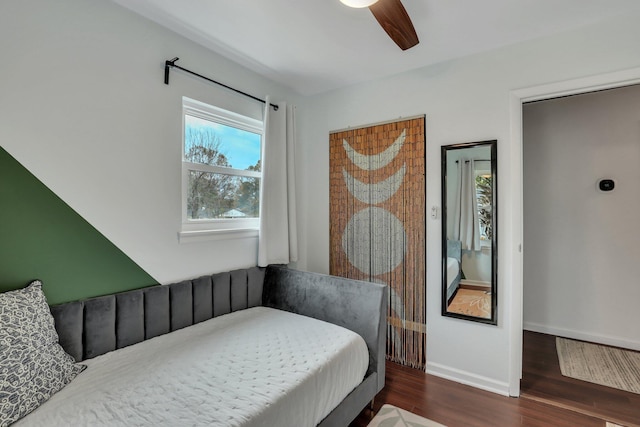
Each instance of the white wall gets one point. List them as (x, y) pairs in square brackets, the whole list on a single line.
[(464, 100), (83, 105), (580, 275)]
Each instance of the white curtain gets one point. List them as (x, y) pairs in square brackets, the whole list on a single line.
[(278, 241), (466, 224)]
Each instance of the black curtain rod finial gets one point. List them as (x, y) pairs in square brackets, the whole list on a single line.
[(167, 65)]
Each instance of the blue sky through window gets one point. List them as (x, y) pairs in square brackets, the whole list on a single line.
[(242, 148)]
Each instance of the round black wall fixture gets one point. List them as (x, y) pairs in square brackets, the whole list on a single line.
[(606, 184)]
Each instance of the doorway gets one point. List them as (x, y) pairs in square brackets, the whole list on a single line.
[(580, 198), (515, 259)]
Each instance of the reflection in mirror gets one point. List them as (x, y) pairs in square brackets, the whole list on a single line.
[(469, 252)]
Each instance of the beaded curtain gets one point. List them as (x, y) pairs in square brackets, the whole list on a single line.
[(377, 223)]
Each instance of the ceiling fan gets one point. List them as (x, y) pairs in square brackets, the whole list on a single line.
[(393, 18)]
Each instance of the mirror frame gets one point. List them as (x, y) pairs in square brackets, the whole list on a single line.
[(493, 144)]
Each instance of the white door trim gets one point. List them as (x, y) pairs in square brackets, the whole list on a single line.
[(514, 276)]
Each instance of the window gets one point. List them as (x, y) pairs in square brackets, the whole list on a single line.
[(221, 171), (484, 197)]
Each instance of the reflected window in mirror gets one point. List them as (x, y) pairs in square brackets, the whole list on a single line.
[(469, 264), (484, 197)]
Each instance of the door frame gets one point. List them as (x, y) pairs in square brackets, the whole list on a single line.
[(515, 258)]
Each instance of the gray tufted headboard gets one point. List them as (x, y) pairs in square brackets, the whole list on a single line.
[(95, 326), (98, 325), (454, 249)]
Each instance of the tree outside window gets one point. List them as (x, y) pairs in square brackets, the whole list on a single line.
[(484, 195)]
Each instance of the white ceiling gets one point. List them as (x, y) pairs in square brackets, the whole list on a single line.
[(314, 46)]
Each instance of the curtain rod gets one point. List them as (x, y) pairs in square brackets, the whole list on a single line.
[(172, 64), (399, 119)]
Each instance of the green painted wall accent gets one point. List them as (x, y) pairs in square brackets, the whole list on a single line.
[(41, 237)]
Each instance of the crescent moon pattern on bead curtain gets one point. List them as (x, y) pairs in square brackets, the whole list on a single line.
[(377, 223)]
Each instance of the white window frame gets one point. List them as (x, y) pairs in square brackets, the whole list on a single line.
[(211, 229)]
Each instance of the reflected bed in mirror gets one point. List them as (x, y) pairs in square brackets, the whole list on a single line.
[(469, 218)]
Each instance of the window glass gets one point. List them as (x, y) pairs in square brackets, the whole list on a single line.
[(208, 142), (218, 195), (484, 196)]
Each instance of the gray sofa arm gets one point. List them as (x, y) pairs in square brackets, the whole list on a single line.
[(353, 304)]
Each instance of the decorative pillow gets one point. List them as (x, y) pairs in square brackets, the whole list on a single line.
[(33, 366)]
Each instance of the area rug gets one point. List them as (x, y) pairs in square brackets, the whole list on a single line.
[(390, 416), (471, 302), (599, 364)]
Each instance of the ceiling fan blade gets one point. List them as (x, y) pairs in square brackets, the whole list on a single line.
[(394, 19)]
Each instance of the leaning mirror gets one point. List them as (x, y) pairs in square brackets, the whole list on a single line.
[(469, 218)]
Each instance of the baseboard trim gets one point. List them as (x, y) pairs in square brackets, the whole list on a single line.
[(468, 378), (582, 336), (475, 283)]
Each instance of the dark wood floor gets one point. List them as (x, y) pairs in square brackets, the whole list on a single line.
[(548, 400), (542, 381)]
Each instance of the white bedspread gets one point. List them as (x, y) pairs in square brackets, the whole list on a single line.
[(254, 367), (453, 268)]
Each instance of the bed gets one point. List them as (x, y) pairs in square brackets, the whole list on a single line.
[(253, 347), (454, 267)]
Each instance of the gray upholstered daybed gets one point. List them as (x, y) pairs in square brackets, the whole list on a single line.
[(94, 327)]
